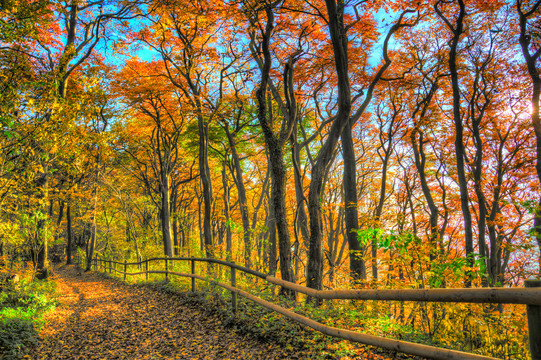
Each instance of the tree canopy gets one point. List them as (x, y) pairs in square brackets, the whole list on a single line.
[(336, 143)]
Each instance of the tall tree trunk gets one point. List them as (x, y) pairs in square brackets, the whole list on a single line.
[(92, 243), (204, 171), (495, 267), (174, 221), (166, 217), (381, 202), (278, 190), (302, 218), (357, 266), (243, 202), (532, 63), (228, 244), (42, 238), (478, 186), (417, 143), (457, 29), (278, 174), (200, 224), (420, 160), (314, 273), (70, 233), (271, 224)]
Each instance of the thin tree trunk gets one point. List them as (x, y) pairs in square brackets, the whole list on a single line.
[(200, 224), (271, 224), (92, 243), (70, 234), (420, 160), (243, 202), (228, 244), (302, 218), (166, 217), (204, 171)]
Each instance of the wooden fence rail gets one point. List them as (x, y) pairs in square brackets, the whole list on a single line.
[(530, 296)]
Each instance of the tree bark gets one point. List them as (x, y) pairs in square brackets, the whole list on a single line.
[(314, 274), (228, 244), (417, 143), (166, 216), (70, 234), (302, 218), (92, 243), (275, 152), (357, 266), (204, 172), (271, 224)]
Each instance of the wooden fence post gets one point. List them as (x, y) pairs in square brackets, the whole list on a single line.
[(125, 268), (534, 323), (146, 269), (166, 270), (233, 284), (193, 273)]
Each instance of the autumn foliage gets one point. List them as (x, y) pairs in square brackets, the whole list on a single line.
[(338, 144)]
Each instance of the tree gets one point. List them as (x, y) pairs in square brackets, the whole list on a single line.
[(158, 103), (338, 32), (274, 142), (529, 43)]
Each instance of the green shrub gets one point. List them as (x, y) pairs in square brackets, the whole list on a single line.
[(17, 332), (21, 311)]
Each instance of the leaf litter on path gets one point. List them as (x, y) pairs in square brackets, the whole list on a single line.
[(99, 318)]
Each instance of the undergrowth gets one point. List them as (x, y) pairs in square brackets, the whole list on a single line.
[(22, 307), (481, 329)]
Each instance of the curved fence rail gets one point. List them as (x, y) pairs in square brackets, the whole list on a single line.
[(530, 296)]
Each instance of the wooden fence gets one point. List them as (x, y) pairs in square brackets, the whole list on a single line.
[(529, 295)]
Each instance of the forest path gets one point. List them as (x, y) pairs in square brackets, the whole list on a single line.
[(99, 318)]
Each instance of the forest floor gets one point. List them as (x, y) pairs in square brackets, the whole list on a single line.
[(100, 318)]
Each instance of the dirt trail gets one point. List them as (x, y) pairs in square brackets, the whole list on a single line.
[(102, 319)]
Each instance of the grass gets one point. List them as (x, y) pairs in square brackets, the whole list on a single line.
[(22, 307)]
